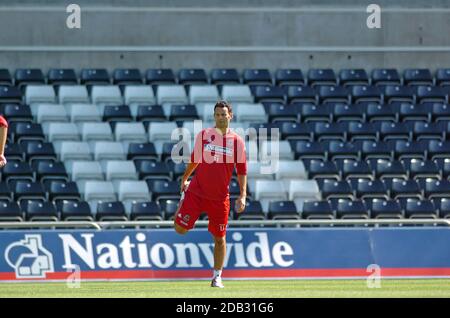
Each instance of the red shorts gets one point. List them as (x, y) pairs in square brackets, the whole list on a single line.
[(192, 205)]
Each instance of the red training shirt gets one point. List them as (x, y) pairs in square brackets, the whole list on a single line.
[(217, 156)]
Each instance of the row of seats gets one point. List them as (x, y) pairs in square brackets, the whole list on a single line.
[(234, 93), (243, 112), (71, 210), (412, 76)]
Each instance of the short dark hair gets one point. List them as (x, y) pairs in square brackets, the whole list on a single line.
[(223, 104)]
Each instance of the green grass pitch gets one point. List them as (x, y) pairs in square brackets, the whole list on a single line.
[(238, 288)]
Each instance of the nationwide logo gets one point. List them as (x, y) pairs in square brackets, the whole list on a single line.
[(29, 258)]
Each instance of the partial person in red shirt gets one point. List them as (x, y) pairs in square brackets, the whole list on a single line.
[(218, 151), (3, 137)]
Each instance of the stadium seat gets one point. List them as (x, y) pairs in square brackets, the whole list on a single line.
[(237, 94), (92, 131), (389, 131), (443, 207), (385, 77), (327, 131), (109, 94), (132, 191), (108, 150), (321, 169), (268, 190), (301, 94), (404, 188), (438, 149), (139, 94), (127, 76), (203, 94), (252, 113), (160, 76), (183, 113), (361, 131), (353, 77), (39, 94), (321, 77), (152, 170), (94, 76), (62, 190), (50, 113), (26, 190), (282, 210), (39, 211), (61, 76), (51, 171), (410, 150), (256, 76), (116, 113), (253, 211), (76, 211), (163, 190), (385, 168), (420, 209), (61, 131), (413, 112), (143, 211), (169, 208), (281, 112), (16, 170), (189, 76), (130, 132), (437, 189), (73, 150), (37, 150), (10, 94), (141, 151), (310, 150), (295, 131), (171, 94), (380, 112), (344, 113), (85, 170), (269, 94), (115, 170), (313, 113), (281, 150), (427, 131), (72, 94), (10, 212), (16, 113), (431, 94), (348, 209), (5, 77), (417, 77), (330, 188), (317, 210), (289, 77), (27, 131), (365, 94), (97, 190), (342, 150), (350, 168), (224, 76), (398, 93), (80, 113), (29, 76), (385, 209), (365, 189), (442, 76), (422, 169), (110, 211), (334, 94), (148, 113)]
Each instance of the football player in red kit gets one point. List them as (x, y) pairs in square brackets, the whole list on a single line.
[(217, 152)]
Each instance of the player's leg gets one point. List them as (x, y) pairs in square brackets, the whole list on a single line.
[(218, 220), (187, 213)]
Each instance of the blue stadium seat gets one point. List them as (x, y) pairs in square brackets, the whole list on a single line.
[(24, 76), (257, 76), (110, 211), (366, 94), (390, 131), (426, 131), (443, 165), (183, 113), (399, 188), (353, 77), (361, 131), (59, 76), (305, 94), (14, 152), (310, 150), (5, 77), (423, 209), (224, 76), (380, 112), (149, 113), (117, 113), (329, 94), (27, 131), (417, 76), (351, 209), (142, 151), (384, 209), (313, 113), (422, 168), (439, 111), (342, 150), (253, 211), (335, 189), (385, 77), (94, 76), (443, 207), (370, 189), (289, 77), (146, 211), (321, 169), (10, 212), (437, 189), (39, 211), (385, 168), (398, 93), (5, 191), (17, 170), (48, 170), (176, 169), (281, 112), (376, 150), (344, 112), (438, 149), (160, 76), (127, 76), (187, 76), (161, 189), (296, 131), (321, 77), (413, 112), (269, 93), (435, 94), (37, 150), (410, 149), (148, 169), (16, 112), (354, 169), (443, 77), (282, 210), (326, 131), (62, 190), (317, 210), (169, 208), (10, 94), (76, 211)]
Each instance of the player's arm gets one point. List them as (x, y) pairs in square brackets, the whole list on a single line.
[(240, 202), (3, 137), (187, 173)]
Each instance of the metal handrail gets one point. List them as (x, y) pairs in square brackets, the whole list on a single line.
[(102, 225)]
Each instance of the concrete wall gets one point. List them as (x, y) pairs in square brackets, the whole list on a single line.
[(258, 33)]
